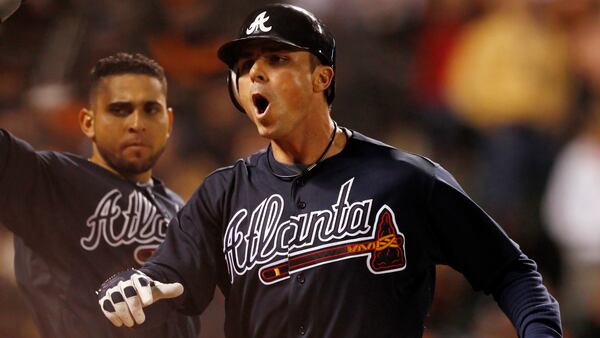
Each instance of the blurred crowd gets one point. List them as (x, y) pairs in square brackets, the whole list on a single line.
[(503, 93)]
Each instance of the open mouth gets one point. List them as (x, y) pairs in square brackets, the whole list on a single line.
[(260, 102)]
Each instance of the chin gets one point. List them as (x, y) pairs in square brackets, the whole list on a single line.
[(269, 131), (129, 163), (265, 133), (133, 166), (134, 169)]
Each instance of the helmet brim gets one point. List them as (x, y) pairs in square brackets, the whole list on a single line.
[(230, 52)]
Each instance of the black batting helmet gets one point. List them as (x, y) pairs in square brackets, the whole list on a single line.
[(285, 24)]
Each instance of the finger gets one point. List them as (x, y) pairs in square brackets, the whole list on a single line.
[(133, 301), (109, 311), (121, 307), (166, 290), (144, 289)]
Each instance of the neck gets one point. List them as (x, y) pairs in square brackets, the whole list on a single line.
[(310, 147)]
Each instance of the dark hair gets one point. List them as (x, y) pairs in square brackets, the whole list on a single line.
[(314, 61), (124, 63)]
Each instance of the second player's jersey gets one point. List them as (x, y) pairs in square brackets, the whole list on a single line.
[(347, 250), (75, 225)]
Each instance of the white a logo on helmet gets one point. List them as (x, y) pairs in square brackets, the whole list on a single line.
[(258, 25)]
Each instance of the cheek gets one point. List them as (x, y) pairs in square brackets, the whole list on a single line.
[(159, 131), (244, 93), (295, 88), (108, 141), (107, 132)]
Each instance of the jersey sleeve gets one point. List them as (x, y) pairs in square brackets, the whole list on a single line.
[(526, 301), (23, 186), (464, 236), (192, 252)]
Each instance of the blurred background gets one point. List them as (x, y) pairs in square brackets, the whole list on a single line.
[(503, 93)]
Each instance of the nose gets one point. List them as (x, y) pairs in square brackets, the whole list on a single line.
[(257, 72), (136, 122)]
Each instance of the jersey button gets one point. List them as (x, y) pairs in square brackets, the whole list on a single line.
[(301, 205), (301, 330), (300, 278)]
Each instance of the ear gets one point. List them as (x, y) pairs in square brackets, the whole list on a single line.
[(86, 123), (322, 77), (170, 117)]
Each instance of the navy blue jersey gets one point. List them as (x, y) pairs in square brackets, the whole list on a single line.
[(346, 250), (76, 223)]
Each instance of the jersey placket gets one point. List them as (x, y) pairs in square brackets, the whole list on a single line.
[(298, 326), (167, 214)]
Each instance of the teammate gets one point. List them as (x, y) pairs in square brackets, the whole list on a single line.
[(78, 220), (326, 233)]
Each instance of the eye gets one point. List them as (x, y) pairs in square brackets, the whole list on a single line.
[(275, 59), (119, 109), (244, 66), (152, 108)]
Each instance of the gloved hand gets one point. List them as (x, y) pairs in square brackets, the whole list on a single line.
[(123, 296)]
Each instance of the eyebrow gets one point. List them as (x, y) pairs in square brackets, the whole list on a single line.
[(130, 105), (116, 104), (126, 102), (153, 102)]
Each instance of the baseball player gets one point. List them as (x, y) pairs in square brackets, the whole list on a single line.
[(77, 220), (326, 232)]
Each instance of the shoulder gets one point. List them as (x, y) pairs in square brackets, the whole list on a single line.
[(390, 158), (224, 179), (238, 170), (63, 158), (375, 150)]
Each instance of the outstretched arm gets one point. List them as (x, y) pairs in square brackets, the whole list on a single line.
[(27, 190), (524, 299), (190, 256), (21, 177), (471, 242)]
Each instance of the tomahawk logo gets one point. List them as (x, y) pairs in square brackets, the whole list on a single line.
[(385, 252), (286, 246), (258, 25)]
